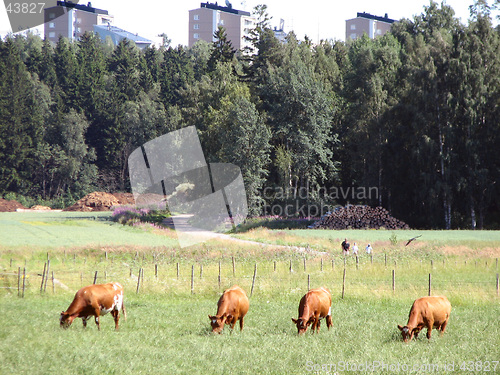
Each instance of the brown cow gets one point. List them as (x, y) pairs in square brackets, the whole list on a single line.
[(232, 306), (314, 306), (95, 300), (426, 312)]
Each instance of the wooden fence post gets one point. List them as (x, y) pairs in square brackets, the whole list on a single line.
[(138, 280), (308, 282), (192, 279), (497, 285), (24, 279), (177, 270), (156, 270), (430, 284), (53, 285), (46, 275), (305, 268), (357, 262), (253, 279), (43, 276), (385, 259), (218, 277), (393, 281), (291, 270), (18, 281), (95, 277), (333, 264), (274, 266), (343, 284)]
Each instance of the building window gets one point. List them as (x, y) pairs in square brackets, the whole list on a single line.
[(221, 22), (353, 36), (196, 36), (353, 27), (52, 25), (52, 15), (196, 26), (52, 34), (196, 17)]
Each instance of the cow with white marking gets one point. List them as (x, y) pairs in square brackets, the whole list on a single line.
[(314, 306), (95, 300)]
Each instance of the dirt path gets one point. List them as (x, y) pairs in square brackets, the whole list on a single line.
[(183, 226)]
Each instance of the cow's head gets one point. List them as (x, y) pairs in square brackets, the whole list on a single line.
[(302, 324), (65, 320), (407, 333), (217, 322)]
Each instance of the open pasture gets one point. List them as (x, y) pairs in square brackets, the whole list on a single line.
[(169, 293)]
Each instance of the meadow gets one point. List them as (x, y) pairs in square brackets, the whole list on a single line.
[(167, 330)]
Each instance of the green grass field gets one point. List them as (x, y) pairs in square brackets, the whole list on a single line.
[(167, 330)]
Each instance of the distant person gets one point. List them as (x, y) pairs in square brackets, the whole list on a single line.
[(369, 249), (355, 249), (345, 247)]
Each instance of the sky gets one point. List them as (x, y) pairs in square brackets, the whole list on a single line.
[(316, 19)]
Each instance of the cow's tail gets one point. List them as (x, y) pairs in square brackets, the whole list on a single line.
[(124, 311)]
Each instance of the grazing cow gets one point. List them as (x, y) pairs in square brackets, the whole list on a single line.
[(314, 306), (426, 312), (95, 300), (232, 306)]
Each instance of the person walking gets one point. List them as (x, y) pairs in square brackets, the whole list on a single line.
[(369, 249), (355, 249), (345, 247)]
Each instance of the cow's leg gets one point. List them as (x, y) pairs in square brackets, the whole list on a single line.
[(241, 323), (84, 321), (318, 324), (329, 321), (443, 326), (116, 317), (429, 329)]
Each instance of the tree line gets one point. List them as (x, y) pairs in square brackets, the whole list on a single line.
[(413, 114)]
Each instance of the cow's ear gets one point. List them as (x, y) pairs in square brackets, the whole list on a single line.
[(294, 321), (211, 317), (400, 328)]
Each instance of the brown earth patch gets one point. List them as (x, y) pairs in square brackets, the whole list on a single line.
[(10, 206), (96, 201)]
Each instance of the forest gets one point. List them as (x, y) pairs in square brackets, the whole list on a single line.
[(412, 117)]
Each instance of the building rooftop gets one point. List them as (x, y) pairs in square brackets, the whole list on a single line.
[(122, 34), (376, 18), (228, 9), (86, 8)]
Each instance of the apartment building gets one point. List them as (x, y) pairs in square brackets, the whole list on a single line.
[(72, 20), (205, 20), (367, 23)]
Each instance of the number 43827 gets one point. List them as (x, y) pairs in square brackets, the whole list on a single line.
[(479, 366), (24, 8)]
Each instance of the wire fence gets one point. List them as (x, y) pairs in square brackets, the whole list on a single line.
[(380, 275)]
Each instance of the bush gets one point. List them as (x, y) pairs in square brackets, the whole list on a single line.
[(128, 215)]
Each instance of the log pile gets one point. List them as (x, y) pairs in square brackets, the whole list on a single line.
[(359, 217)]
